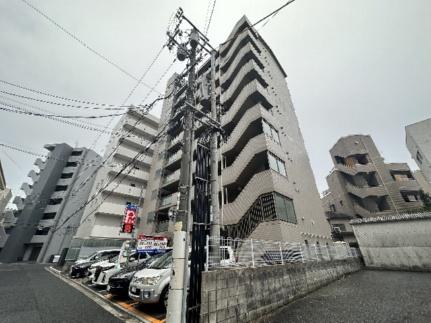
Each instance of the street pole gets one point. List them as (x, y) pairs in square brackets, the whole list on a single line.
[(177, 302), (215, 224)]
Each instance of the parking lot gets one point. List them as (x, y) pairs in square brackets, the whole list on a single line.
[(147, 312)]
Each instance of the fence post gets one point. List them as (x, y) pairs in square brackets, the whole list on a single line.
[(207, 253), (252, 253), (281, 253)]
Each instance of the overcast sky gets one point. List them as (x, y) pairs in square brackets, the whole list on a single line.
[(353, 66)]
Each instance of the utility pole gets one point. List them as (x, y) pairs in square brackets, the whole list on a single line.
[(215, 224), (196, 42)]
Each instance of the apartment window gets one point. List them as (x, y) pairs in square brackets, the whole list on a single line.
[(76, 153), (284, 208), (60, 188), (332, 207), (133, 184), (49, 216), (66, 175), (277, 164), (71, 164), (410, 197), (270, 131), (419, 157), (55, 201), (42, 231)]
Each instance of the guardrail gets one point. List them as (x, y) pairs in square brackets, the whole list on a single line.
[(227, 252)]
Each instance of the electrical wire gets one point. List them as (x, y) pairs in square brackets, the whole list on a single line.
[(81, 124), (210, 18), (91, 49), (60, 104), (57, 96), (36, 114), (257, 22)]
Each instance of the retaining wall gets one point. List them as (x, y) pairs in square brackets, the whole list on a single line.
[(249, 294)]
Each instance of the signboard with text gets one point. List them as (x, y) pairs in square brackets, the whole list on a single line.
[(129, 219), (151, 243)]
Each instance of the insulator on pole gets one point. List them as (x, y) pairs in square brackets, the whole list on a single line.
[(181, 53), (194, 38)]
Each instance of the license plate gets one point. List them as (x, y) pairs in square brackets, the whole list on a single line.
[(133, 289)]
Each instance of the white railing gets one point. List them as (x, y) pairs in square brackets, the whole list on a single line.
[(256, 253)]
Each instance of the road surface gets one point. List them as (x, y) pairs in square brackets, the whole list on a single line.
[(365, 296), (30, 294)]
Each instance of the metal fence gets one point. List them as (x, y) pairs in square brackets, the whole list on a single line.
[(226, 252)]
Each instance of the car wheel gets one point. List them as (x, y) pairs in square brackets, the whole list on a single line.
[(164, 297)]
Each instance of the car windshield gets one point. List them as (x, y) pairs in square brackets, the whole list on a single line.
[(164, 261)]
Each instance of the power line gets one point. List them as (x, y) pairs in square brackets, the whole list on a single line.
[(210, 18), (36, 114), (257, 22), (57, 96), (73, 36), (81, 124), (58, 103)]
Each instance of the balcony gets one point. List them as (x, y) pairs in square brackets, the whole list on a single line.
[(141, 128), (176, 142), (251, 94), (248, 73), (27, 188), (136, 174), (168, 201), (356, 169), (125, 190), (365, 191), (111, 209), (39, 163), (174, 161), (409, 185), (33, 175), (130, 154), (366, 213), (137, 142), (230, 50), (246, 54), (171, 178)]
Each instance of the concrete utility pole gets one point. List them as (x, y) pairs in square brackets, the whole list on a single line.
[(177, 303), (215, 224)]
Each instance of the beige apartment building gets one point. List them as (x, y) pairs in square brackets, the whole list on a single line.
[(362, 185), (268, 190)]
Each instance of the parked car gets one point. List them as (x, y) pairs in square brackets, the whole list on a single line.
[(106, 270), (81, 266), (151, 285), (119, 282)]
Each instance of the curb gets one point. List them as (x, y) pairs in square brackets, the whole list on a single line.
[(109, 306)]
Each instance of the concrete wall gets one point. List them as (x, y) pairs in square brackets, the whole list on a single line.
[(418, 140), (250, 294), (398, 242)]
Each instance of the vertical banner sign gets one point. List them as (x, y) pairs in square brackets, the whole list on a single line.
[(129, 219)]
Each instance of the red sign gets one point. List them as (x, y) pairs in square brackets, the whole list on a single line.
[(129, 219)]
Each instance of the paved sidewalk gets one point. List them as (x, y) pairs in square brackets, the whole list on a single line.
[(366, 296)]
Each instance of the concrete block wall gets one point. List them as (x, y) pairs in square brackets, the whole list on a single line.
[(250, 294)]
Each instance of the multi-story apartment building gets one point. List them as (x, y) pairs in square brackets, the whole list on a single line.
[(418, 141), (59, 188), (363, 185), (5, 195), (268, 187), (103, 216)]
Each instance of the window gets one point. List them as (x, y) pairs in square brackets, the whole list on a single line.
[(270, 131), (42, 231), (49, 216), (54, 201), (332, 207), (71, 164), (341, 202), (76, 153), (284, 208), (277, 164), (419, 157), (59, 188), (133, 184), (66, 175)]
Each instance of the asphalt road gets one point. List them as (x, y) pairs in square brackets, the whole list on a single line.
[(366, 296), (30, 294)]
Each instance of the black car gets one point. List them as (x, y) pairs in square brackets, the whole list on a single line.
[(80, 269), (119, 283)]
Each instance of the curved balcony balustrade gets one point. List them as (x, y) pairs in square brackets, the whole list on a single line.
[(247, 53), (363, 192), (174, 161), (230, 50), (248, 73), (356, 169), (176, 142)]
